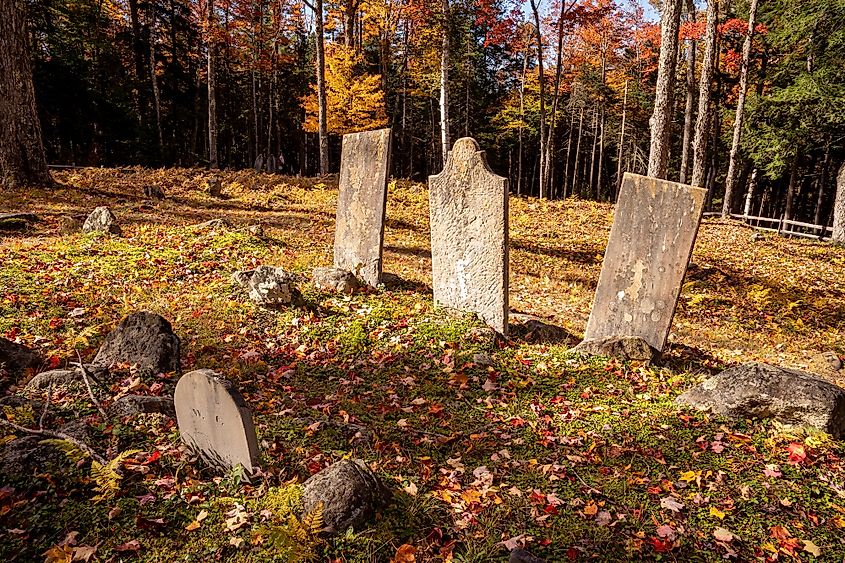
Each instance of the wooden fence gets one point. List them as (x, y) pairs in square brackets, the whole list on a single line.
[(781, 226)]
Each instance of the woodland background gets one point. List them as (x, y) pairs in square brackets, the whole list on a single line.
[(126, 82)]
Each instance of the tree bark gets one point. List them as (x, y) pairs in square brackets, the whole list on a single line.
[(688, 107), (577, 152), (699, 143), (538, 35), (212, 90), (621, 143), (730, 181), (154, 79), (444, 85), (22, 159), (521, 120), (661, 119), (839, 208), (820, 187), (323, 130)]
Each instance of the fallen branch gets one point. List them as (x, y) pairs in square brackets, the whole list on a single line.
[(94, 400)]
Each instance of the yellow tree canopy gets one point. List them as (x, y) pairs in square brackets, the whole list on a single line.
[(354, 100)]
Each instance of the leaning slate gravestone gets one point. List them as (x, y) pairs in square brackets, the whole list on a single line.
[(144, 339), (654, 229), (359, 232), (214, 420), (468, 206)]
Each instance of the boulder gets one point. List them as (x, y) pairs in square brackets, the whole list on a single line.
[(242, 277), (350, 494), (56, 377), (144, 339), (27, 454), (153, 192), (273, 288), (101, 219), (16, 357), (827, 363), (629, 348), (336, 280), (757, 390), (211, 225), (535, 329), (213, 186), (16, 221), (133, 405)]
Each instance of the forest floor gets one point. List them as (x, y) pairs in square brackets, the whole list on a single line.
[(575, 459)]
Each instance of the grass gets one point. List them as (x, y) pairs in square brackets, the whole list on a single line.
[(575, 459)]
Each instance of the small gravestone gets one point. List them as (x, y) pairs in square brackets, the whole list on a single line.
[(362, 197), (271, 164), (259, 163), (214, 420), (468, 205), (654, 229), (101, 219), (143, 339)]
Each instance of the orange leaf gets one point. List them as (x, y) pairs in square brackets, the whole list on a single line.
[(405, 554)]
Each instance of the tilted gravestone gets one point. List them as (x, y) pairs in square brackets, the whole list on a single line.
[(651, 241), (359, 232), (468, 206), (214, 420)]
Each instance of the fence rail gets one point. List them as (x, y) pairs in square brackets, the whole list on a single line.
[(821, 230)]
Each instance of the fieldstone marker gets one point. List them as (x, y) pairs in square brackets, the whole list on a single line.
[(359, 232), (654, 229), (101, 219), (144, 339), (214, 420), (468, 206)]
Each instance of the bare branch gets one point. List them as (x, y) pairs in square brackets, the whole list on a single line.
[(59, 436), (84, 372), (46, 406)]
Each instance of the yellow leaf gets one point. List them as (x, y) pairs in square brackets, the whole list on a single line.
[(688, 476), (591, 509), (192, 526), (812, 548), (717, 513)]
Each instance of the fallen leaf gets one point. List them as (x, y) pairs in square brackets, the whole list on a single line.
[(812, 548), (670, 503), (405, 554), (717, 513), (84, 553), (722, 534), (131, 545)]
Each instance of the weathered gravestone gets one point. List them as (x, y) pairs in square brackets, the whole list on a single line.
[(214, 420), (359, 232), (468, 206), (654, 229)]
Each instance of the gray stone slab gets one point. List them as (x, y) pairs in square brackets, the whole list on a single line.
[(359, 230), (215, 421), (468, 206), (652, 237)]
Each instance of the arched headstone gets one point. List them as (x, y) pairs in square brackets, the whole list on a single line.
[(468, 206), (214, 420), (654, 230), (362, 197)]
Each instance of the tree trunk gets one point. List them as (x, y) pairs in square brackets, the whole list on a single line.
[(212, 90), (521, 120), (154, 79), (444, 85), (688, 107), (592, 173), (839, 208), (621, 143), (568, 155), (138, 55), (577, 152), (22, 160), (749, 196), (821, 185), (323, 131), (699, 143), (790, 190), (601, 156), (538, 35), (730, 181), (661, 119)]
